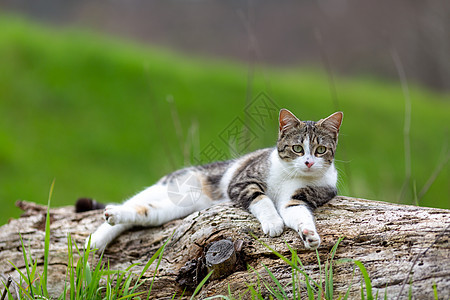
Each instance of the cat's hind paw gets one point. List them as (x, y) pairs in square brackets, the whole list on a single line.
[(274, 227), (310, 238), (112, 214), (95, 242)]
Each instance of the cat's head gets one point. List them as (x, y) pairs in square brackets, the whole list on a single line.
[(308, 146)]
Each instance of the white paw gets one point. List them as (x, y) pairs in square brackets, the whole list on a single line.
[(310, 237), (97, 241), (112, 214), (274, 227)]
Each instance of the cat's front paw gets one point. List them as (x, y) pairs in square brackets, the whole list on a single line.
[(112, 214), (310, 238), (274, 227)]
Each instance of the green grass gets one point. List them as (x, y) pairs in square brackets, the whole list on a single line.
[(93, 113)]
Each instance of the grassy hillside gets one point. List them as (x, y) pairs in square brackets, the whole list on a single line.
[(106, 118)]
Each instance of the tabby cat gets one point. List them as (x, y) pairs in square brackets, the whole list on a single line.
[(279, 186)]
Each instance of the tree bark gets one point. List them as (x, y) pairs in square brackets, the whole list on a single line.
[(402, 247)]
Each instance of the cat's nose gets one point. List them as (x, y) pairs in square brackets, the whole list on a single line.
[(309, 164)]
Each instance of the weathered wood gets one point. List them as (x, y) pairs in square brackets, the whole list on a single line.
[(402, 247), (221, 259)]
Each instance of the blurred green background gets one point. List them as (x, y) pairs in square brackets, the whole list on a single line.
[(106, 117)]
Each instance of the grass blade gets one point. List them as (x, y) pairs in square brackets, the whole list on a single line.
[(329, 280), (301, 268), (435, 292), (28, 278), (253, 292), (199, 287), (70, 266), (285, 259), (281, 294), (366, 279), (156, 269), (309, 289), (329, 291), (129, 296), (347, 294), (44, 277), (25, 278), (294, 275), (320, 269), (158, 254)]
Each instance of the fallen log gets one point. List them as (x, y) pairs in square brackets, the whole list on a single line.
[(404, 248)]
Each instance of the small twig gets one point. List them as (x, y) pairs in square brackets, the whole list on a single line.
[(8, 283), (327, 65), (254, 56), (193, 142), (255, 53), (419, 256), (433, 177), (407, 126), (167, 149), (334, 96), (416, 198), (178, 129), (252, 53)]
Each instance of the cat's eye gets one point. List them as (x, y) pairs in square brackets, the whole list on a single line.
[(297, 148), (321, 150)]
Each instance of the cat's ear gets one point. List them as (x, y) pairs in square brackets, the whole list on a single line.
[(333, 122), (287, 119)]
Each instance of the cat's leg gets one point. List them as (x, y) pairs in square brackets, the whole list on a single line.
[(296, 211), (249, 192), (155, 206), (298, 216), (151, 207), (264, 210), (104, 235)]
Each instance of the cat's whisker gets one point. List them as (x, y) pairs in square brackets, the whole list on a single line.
[(343, 161)]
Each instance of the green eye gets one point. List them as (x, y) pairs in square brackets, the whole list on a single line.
[(297, 149), (321, 150)]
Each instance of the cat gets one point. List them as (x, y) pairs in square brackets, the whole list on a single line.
[(280, 186)]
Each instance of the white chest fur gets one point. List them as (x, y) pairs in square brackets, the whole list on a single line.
[(284, 179)]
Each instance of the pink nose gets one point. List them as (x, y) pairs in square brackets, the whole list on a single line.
[(309, 164)]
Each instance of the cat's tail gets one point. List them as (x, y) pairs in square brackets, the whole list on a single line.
[(87, 204)]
